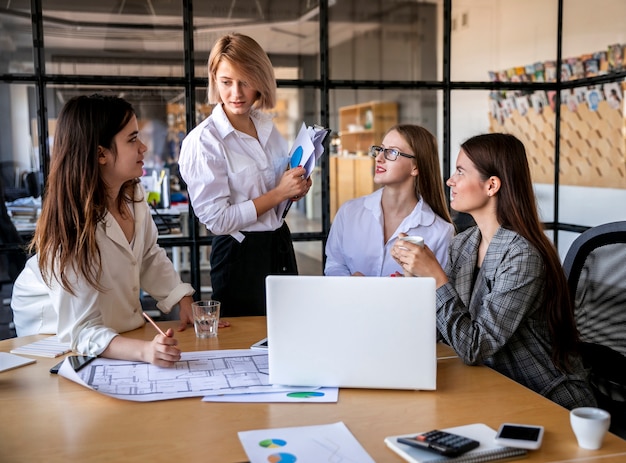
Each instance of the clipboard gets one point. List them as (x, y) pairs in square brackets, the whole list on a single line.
[(308, 148)]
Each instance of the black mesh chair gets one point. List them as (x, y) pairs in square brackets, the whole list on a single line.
[(595, 266)]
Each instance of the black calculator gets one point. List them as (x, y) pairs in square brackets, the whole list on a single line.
[(442, 442)]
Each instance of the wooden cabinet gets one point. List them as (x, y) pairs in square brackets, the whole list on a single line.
[(352, 171), (364, 125)]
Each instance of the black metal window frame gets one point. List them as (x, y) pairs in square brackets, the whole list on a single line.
[(40, 79)]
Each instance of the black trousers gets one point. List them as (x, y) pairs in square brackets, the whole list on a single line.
[(238, 270)]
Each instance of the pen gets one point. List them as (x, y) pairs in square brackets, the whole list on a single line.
[(287, 208), (147, 317)]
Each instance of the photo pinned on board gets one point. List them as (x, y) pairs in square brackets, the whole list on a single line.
[(594, 96), (613, 94)]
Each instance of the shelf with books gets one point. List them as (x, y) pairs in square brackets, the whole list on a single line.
[(363, 125)]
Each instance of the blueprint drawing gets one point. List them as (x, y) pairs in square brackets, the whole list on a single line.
[(196, 374)]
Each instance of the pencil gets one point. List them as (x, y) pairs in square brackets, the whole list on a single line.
[(147, 317)]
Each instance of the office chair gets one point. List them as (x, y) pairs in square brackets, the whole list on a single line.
[(595, 266)]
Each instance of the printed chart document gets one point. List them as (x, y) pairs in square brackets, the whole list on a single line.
[(298, 394), (487, 451), (304, 444), (197, 374), (307, 148)]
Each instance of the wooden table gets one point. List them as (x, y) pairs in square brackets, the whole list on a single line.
[(48, 418)]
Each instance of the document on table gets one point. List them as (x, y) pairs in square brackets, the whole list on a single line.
[(295, 394), (49, 347), (10, 361), (197, 374), (304, 444)]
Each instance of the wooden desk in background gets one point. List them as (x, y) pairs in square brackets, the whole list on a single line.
[(48, 418)]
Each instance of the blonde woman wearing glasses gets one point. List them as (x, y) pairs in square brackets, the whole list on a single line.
[(411, 201)]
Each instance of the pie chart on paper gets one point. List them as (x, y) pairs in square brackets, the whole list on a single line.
[(305, 395), (273, 444), (281, 458)]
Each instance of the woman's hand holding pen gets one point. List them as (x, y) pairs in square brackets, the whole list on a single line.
[(163, 350)]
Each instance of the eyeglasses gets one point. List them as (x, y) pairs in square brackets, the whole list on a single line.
[(391, 154)]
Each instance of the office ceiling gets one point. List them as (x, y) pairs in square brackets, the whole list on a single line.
[(74, 27)]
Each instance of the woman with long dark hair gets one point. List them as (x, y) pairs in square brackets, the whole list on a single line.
[(96, 243), (503, 300)]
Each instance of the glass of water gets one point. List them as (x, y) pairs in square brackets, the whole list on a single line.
[(206, 316)]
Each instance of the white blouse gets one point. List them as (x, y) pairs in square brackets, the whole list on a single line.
[(225, 169), (356, 241), (91, 319)]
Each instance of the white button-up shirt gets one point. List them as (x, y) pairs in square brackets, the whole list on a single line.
[(356, 241), (90, 319), (225, 169)]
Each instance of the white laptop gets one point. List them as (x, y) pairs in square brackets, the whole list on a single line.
[(359, 332)]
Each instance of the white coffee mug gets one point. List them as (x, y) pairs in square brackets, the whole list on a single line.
[(413, 239), (590, 424)]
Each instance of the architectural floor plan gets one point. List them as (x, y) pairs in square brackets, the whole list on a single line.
[(196, 374)]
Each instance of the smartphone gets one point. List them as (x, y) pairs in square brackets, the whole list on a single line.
[(260, 345), (521, 436), (76, 361)]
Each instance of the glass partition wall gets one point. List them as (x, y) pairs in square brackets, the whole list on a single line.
[(556, 70), (550, 72)]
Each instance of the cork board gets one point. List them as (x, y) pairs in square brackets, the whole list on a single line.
[(593, 144)]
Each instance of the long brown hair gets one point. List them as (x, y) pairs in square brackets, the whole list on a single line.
[(75, 197), (504, 156), (429, 182)]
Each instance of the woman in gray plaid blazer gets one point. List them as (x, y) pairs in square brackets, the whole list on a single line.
[(503, 299)]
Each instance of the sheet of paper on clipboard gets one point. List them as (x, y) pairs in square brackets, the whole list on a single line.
[(310, 145), (307, 148)]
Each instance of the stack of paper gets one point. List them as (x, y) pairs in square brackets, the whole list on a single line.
[(49, 347), (233, 375), (306, 150)]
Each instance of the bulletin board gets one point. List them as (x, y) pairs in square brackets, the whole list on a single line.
[(592, 149)]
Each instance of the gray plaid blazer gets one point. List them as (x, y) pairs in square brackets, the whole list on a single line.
[(493, 315)]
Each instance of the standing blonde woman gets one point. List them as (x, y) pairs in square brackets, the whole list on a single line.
[(235, 166)]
